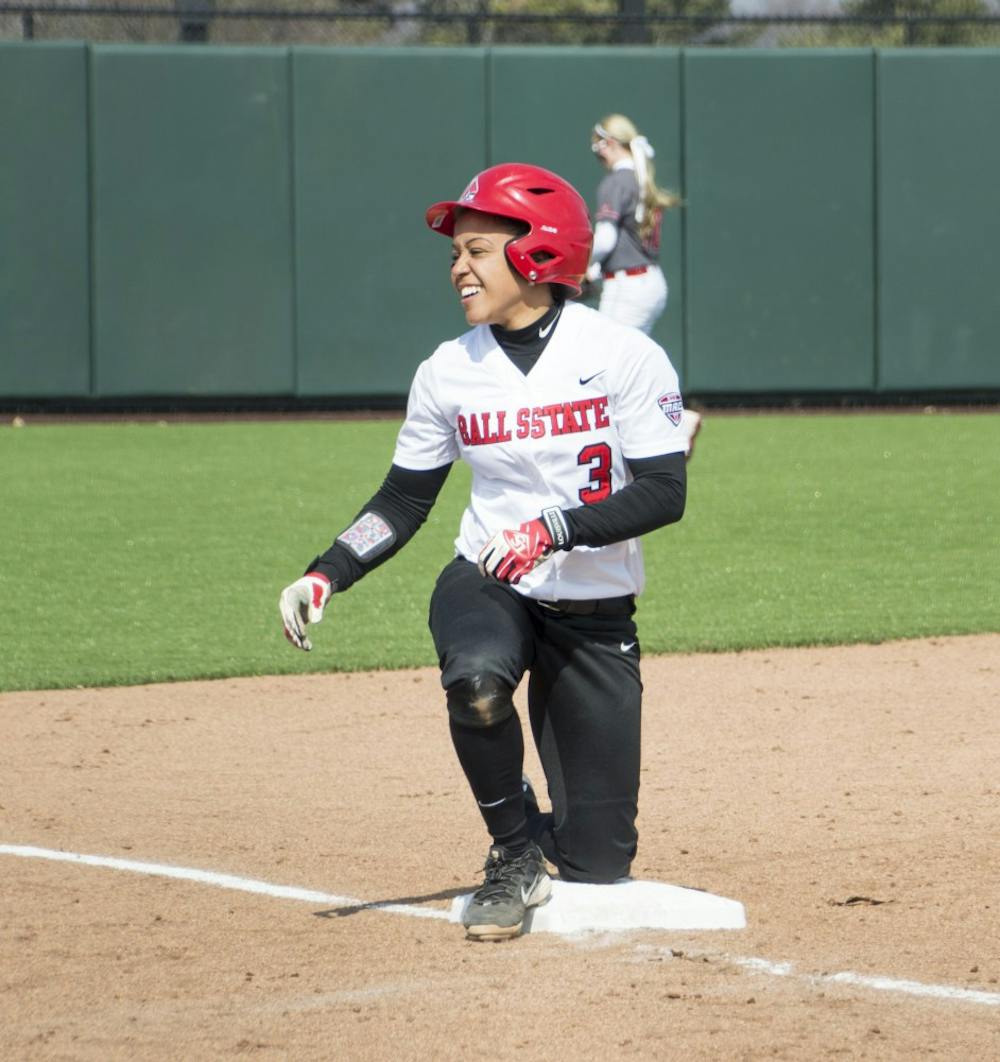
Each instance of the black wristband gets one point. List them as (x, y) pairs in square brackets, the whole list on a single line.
[(339, 574), (558, 529)]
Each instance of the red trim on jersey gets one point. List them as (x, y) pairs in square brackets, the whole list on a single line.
[(632, 271)]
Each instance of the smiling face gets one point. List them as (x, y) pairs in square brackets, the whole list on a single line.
[(490, 290)]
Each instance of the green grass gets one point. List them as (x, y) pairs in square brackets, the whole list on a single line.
[(144, 553)]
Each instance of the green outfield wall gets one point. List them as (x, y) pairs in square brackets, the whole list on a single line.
[(779, 161), (192, 221), (226, 222), (45, 340), (375, 145), (939, 219)]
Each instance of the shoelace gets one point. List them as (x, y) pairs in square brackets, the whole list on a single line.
[(500, 883)]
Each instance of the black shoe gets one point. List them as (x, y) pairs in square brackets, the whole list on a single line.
[(513, 884)]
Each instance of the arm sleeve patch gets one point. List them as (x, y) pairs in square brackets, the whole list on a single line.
[(672, 406), (368, 536)]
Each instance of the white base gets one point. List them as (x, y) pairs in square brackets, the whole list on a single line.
[(627, 904)]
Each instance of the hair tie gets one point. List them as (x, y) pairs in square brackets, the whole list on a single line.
[(642, 144)]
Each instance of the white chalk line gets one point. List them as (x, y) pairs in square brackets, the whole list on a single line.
[(292, 892), (223, 881), (883, 984), (847, 977)]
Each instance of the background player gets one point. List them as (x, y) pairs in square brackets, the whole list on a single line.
[(570, 423), (629, 217)]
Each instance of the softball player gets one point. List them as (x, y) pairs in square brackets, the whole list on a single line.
[(627, 234), (571, 425), (629, 213)]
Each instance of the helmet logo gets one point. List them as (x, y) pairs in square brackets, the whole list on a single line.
[(550, 228), (472, 191), (438, 221)]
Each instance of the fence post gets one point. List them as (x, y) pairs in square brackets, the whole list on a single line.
[(474, 24), (632, 29), (195, 16)]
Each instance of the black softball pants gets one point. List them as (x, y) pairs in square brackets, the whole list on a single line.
[(584, 703)]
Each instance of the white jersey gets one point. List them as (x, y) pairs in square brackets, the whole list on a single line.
[(599, 393)]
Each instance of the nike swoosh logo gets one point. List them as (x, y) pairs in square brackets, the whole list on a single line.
[(543, 332), (625, 646), (586, 380)]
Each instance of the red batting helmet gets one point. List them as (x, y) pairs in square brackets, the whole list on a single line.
[(556, 247)]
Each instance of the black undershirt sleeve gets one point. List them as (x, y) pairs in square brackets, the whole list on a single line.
[(403, 502), (653, 499)]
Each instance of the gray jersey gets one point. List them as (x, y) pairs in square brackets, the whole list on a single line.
[(617, 198)]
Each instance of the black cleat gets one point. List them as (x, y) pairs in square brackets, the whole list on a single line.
[(513, 884)]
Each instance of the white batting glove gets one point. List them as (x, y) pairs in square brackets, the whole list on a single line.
[(301, 603)]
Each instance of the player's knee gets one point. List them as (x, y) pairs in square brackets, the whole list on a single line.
[(480, 700), (597, 844), (598, 867)]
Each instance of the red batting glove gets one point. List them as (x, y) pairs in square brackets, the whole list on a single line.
[(510, 555)]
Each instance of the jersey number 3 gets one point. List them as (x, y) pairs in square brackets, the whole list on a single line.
[(597, 458)]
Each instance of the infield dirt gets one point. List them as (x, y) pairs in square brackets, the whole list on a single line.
[(849, 797)]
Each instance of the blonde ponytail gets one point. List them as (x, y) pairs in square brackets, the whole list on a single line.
[(653, 200)]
